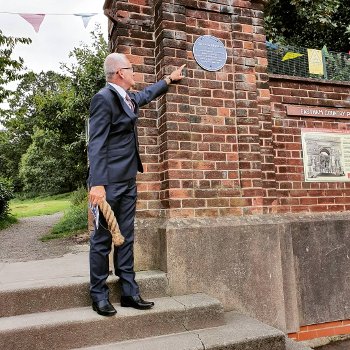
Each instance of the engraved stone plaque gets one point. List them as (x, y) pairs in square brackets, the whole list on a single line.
[(210, 53)]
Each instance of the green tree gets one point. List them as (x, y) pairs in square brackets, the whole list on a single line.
[(5, 195), (53, 106), (41, 170), (86, 78), (10, 68), (87, 74), (309, 23), (21, 117)]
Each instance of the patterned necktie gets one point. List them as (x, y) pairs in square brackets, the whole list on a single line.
[(132, 107), (129, 102)]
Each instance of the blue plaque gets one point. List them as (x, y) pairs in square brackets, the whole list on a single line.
[(210, 53)]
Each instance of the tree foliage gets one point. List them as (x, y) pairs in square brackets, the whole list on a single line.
[(309, 23), (21, 117), (41, 170), (46, 122), (10, 68), (5, 195)]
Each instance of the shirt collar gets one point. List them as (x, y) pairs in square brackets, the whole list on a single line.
[(120, 90)]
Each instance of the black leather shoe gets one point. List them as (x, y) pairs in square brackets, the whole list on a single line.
[(136, 302), (104, 308)]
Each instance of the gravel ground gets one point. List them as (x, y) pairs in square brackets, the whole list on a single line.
[(21, 242)]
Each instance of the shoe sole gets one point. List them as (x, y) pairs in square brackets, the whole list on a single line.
[(135, 307), (103, 313)]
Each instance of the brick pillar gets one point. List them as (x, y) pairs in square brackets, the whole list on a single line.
[(253, 115), (207, 143), (175, 147), (131, 32), (264, 108)]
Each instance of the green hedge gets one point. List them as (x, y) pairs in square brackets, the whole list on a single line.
[(5, 195)]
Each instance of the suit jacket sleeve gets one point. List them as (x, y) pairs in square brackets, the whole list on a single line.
[(150, 92), (99, 126)]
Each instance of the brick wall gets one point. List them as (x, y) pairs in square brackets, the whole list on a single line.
[(328, 329), (205, 143), (293, 193), (220, 143)]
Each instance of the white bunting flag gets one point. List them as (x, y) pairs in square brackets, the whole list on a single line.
[(85, 17)]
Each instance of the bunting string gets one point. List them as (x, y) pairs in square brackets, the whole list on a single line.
[(36, 19)]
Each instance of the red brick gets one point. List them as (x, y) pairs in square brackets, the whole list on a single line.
[(324, 325), (307, 335), (206, 212)]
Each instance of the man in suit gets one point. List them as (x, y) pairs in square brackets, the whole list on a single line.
[(114, 161)]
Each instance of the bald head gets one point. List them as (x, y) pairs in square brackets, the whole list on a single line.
[(113, 63)]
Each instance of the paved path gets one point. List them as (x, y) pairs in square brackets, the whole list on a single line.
[(21, 242)]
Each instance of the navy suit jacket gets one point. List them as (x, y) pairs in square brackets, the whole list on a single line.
[(113, 145)]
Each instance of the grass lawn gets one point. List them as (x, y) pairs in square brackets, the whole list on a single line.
[(39, 205), (74, 206)]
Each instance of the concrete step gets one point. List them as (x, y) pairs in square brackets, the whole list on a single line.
[(293, 345), (239, 333), (62, 283), (79, 327)]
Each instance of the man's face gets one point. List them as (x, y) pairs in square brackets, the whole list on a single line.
[(127, 74)]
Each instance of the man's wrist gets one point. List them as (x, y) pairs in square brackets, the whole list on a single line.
[(168, 79)]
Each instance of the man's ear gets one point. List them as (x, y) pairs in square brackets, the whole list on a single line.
[(120, 73)]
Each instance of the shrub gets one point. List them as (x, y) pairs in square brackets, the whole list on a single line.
[(79, 196), (5, 195), (75, 219), (46, 167)]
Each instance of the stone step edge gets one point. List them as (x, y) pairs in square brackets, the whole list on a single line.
[(293, 345), (238, 329), (69, 280), (70, 328), (72, 292)]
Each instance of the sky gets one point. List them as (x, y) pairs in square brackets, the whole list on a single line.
[(58, 35)]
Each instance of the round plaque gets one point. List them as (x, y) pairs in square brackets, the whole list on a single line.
[(209, 52)]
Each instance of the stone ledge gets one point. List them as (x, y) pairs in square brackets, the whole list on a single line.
[(264, 219)]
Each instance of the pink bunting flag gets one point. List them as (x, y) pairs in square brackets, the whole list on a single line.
[(34, 19)]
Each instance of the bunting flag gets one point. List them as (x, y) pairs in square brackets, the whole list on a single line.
[(85, 17), (271, 45), (315, 61), (291, 56), (325, 51), (34, 19)]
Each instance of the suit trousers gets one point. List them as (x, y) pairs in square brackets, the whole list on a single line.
[(122, 197)]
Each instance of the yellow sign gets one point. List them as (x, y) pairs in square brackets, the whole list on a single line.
[(315, 61), (291, 55)]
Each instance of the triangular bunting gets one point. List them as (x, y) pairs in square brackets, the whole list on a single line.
[(34, 19), (325, 50), (291, 56), (86, 20), (85, 17), (271, 45)]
